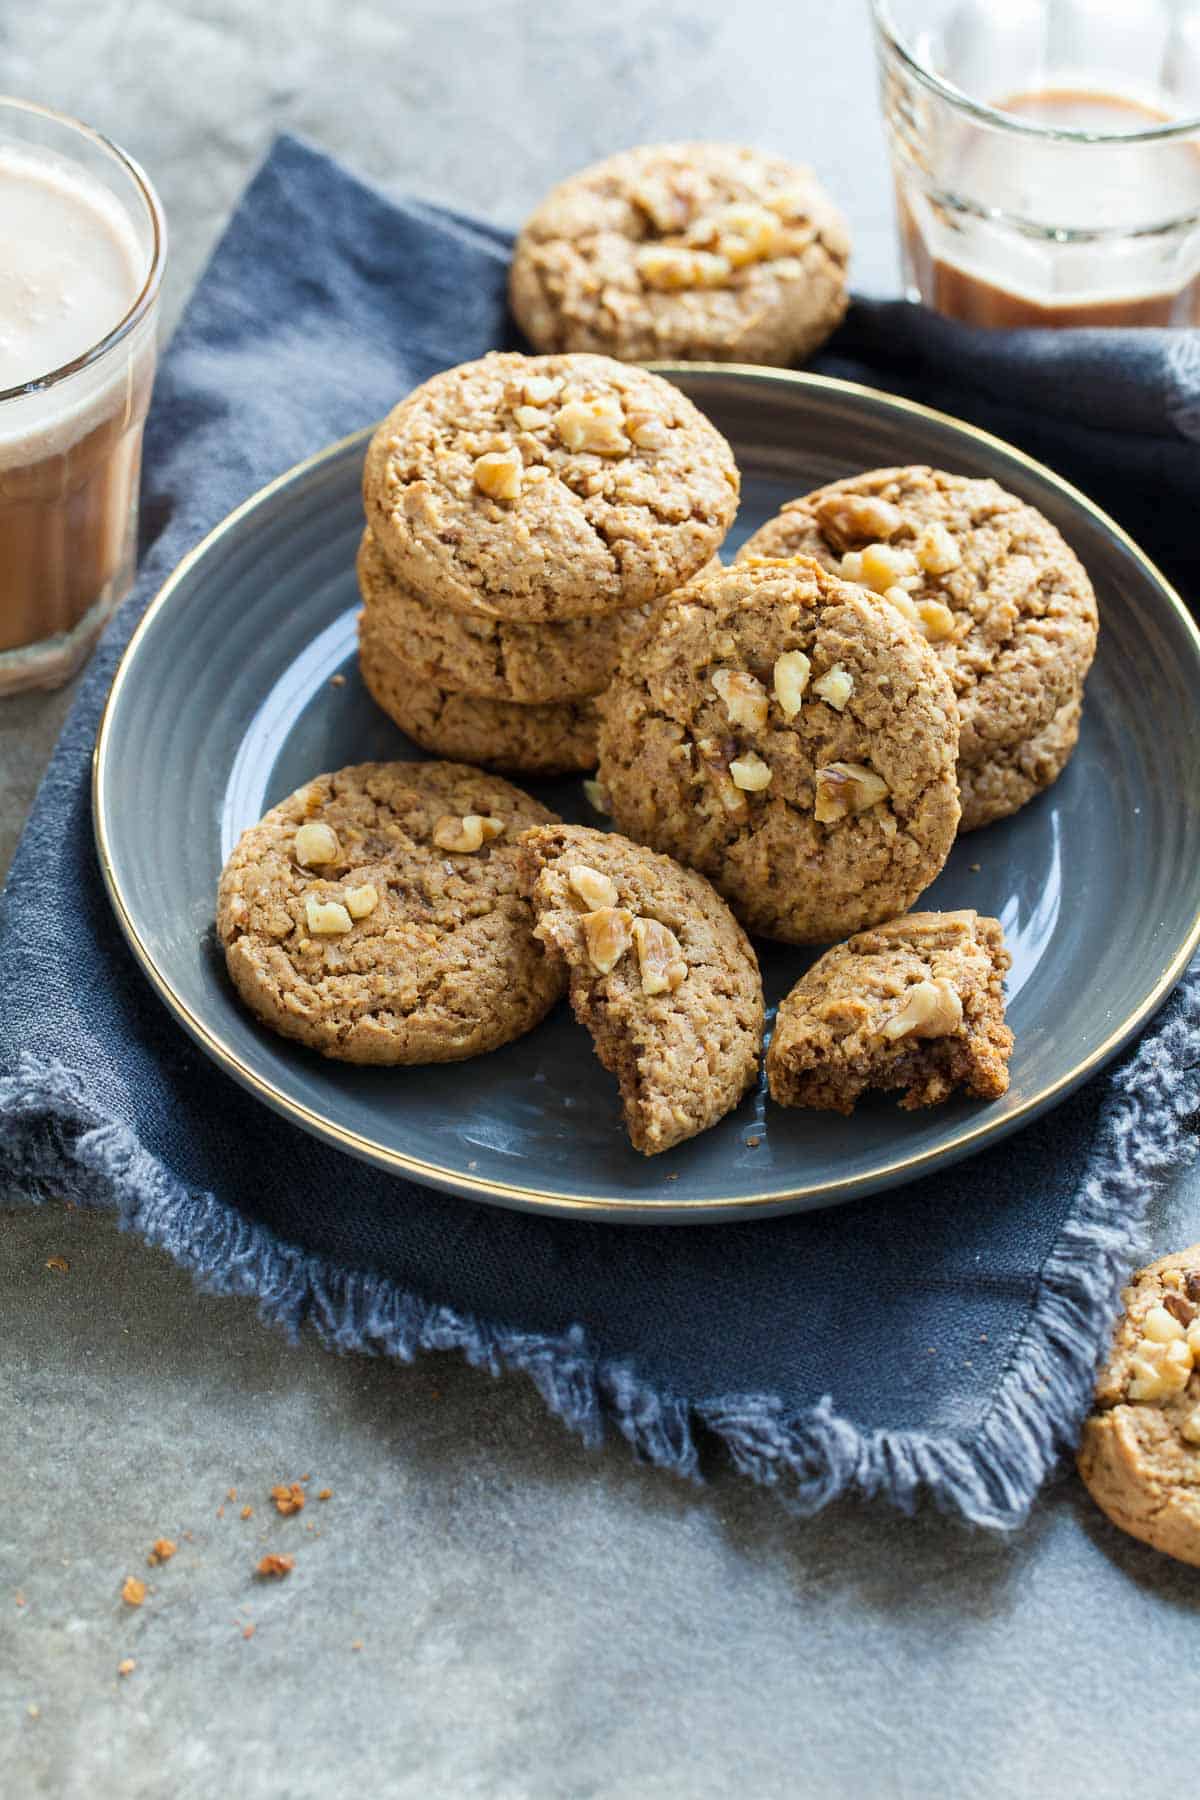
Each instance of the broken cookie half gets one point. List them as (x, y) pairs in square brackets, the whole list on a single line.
[(661, 974), (916, 1004)]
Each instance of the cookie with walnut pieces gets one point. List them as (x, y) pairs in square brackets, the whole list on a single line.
[(1002, 598), (543, 488), (710, 252), (916, 1004), (777, 729), (1139, 1456), (375, 915), (555, 739), (661, 974), (496, 659)]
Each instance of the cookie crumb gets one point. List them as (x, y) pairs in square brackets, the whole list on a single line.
[(357, 1644), (670, 1178), (248, 1630), (289, 1499), (752, 1143), (57, 1265), (275, 1564), (127, 1667), (220, 1512), (247, 1512), (232, 1494), (975, 868), (20, 1598), (325, 1494), (161, 1551), (34, 1711), (338, 680), (133, 1591)]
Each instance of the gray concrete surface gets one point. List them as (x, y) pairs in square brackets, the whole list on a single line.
[(536, 1622)]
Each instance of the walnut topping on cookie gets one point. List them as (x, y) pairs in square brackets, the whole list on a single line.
[(692, 250), (816, 807), (594, 889), (680, 1021), (415, 953), (987, 580), (915, 1005), (1139, 1455), (581, 519)]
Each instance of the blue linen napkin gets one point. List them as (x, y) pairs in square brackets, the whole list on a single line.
[(941, 1341)]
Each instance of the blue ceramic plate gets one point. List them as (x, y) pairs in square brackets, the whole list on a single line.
[(224, 704)]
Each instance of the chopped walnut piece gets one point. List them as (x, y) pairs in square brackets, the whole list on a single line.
[(836, 687), (1191, 1285), (849, 519), (538, 389), (904, 603), (647, 430), (467, 834), (792, 670), (594, 425), (315, 843), (660, 957), (273, 1564), (596, 795), (1178, 1307), (718, 754), (936, 550), (161, 1551), (843, 788), (126, 1666), (671, 268), (288, 1499), (931, 1009), (1162, 1327), (1189, 1429), (58, 1265), (1157, 1370), (531, 418), (750, 773), (133, 1591), (593, 888), (881, 566), (362, 901), (937, 621), (740, 232), (744, 698), (325, 1494), (607, 934), (326, 918), (498, 474)]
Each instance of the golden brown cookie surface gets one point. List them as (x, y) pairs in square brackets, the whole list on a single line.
[(696, 251), (1010, 779), (548, 487), (777, 729), (375, 915), (1002, 598), (1139, 1455), (916, 1004), (661, 974)]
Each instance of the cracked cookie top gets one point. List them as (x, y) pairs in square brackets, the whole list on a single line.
[(782, 732), (990, 582), (548, 487), (375, 915), (711, 251)]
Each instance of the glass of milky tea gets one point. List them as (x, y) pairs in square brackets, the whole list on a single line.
[(82, 249), (1047, 157)]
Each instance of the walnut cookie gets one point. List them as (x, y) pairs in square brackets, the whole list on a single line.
[(555, 739), (779, 730), (1139, 1456), (915, 1004), (1002, 598), (496, 659), (375, 915), (547, 487), (701, 251), (661, 974), (1010, 779)]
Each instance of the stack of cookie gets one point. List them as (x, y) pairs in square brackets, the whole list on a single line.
[(993, 587), (524, 515)]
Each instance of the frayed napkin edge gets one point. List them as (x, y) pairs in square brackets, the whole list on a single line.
[(53, 1143)]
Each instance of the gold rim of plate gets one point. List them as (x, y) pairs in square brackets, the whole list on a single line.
[(892, 1173)]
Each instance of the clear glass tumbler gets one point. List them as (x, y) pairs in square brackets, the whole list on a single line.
[(1047, 157), (80, 273)]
